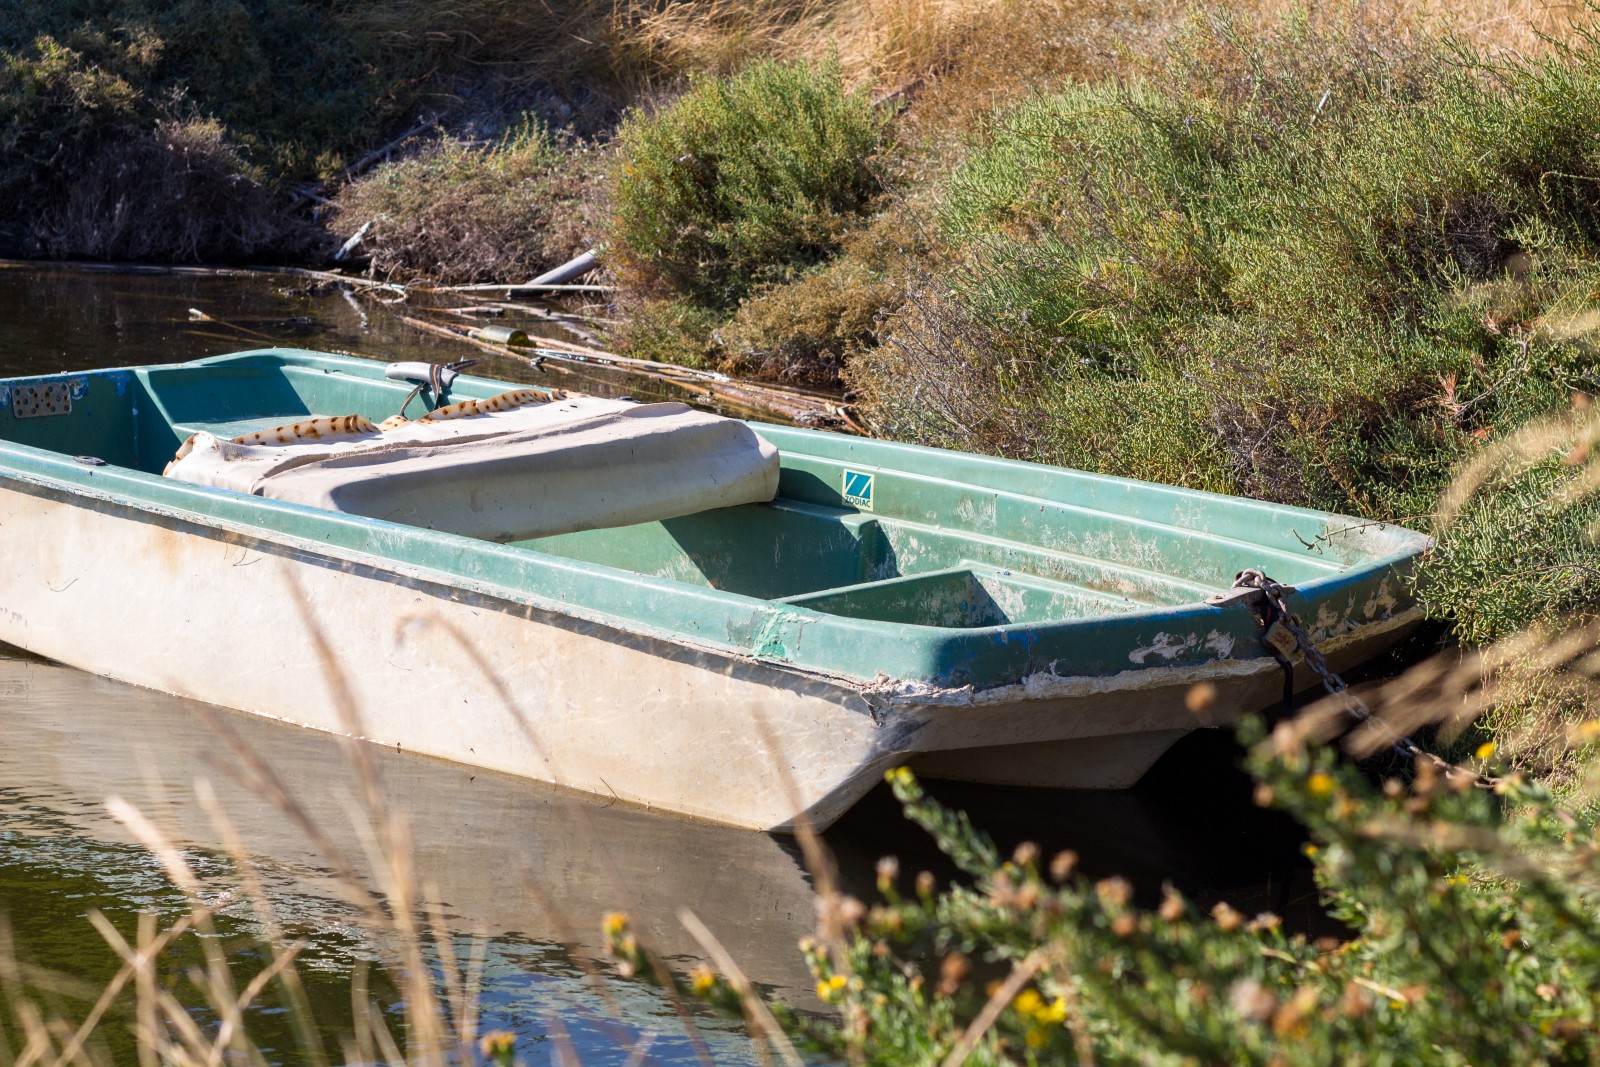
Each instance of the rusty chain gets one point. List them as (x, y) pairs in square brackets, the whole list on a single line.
[(1277, 613)]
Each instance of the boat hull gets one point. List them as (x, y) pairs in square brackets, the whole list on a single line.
[(348, 643)]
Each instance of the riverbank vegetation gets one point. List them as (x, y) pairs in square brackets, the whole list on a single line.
[(1343, 256)]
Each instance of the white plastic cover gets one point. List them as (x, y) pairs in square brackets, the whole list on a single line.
[(576, 464)]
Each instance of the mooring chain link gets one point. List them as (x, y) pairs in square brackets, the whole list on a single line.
[(1277, 613)]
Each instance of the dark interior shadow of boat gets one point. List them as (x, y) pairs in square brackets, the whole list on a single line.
[(504, 857), (1191, 822)]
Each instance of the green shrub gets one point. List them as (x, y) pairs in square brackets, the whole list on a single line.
[(57, 105), (463, 213), (668, 331), (804, 331), (742, 181), (1472, 941), (1471, 916), (284, 78)]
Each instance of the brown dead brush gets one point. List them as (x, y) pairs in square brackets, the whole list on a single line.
[(181, 194)]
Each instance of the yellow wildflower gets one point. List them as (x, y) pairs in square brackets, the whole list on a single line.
[(497, 1045), (1485, 750), (701, 980), (828, 988), (614, 923), (1320, 783), (1028, 1002)]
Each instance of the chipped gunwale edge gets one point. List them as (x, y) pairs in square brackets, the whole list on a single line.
[(1044, 685)]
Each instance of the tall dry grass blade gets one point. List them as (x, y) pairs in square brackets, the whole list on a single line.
[(758, 1015), (157, 844), (151, 1042), (640, 1051), (1004, 994), (428, 1036), (115, 986), (216, 981), (508, 701), (159, 1016), (36, 1040), (1513, 454), (298, 1004), (378, 1027), (262, 780), (455, 998), (366, 1048), (38, 1035), (566, 1054)]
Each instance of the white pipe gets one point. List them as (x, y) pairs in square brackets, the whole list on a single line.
[(572, 268)]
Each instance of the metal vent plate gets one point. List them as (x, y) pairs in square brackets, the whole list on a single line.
[(37, 401)]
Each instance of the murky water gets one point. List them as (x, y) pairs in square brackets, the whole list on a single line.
[(523, 870), (61, 318)]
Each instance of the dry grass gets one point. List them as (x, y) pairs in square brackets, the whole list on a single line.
[(457, 213), (960, 58)]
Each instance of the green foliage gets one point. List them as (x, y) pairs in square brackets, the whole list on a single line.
[(282, 77), (1473, 939), (1290, 268), (464, 213), (56, 103), (743, 180), (1519, 555), (669, 331), (805, 330)]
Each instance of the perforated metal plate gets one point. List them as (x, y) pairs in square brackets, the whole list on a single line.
[(36, 401)]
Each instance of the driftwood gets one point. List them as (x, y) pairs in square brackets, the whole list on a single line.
[(800, 406), (520, 287)]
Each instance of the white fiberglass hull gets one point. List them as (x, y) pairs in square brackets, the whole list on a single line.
[(341, 642)]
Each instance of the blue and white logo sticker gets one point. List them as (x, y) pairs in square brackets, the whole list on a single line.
[(858, 489)]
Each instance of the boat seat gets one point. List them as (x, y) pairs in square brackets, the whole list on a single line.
[(534, 470)]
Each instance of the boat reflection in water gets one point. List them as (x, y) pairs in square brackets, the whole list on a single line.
[(529, 868)]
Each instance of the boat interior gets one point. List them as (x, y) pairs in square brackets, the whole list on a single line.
[(859, 528)]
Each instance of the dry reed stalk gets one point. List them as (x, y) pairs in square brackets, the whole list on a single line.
[(757, 1014)]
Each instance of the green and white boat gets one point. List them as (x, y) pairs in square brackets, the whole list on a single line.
[(739, 622)]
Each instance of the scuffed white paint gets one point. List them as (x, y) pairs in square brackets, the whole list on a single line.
[(1220, 644), (1167, 646), (1381, 601)]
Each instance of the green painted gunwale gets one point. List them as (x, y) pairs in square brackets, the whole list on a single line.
[(943, 522)]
